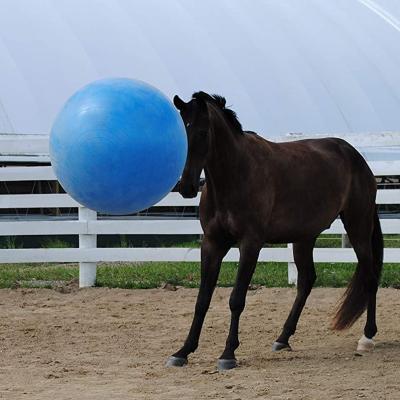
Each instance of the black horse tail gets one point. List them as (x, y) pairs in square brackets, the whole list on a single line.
[(365, 281)]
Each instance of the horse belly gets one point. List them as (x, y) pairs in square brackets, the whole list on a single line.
[(291, 232), (302, 219)]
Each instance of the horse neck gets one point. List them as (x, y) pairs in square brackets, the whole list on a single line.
[(224, 156)]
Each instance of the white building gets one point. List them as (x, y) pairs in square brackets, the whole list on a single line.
[(309, 66)]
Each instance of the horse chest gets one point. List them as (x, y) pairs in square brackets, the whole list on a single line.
[(224, 222), (230, 221)]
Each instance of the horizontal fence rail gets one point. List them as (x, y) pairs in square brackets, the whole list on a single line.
[(55, 200), (156, 254), (88, 224), (379, 168), (184, 226)]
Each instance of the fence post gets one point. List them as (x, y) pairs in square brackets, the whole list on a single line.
[(292, 269), (345, 241), (87, 270)]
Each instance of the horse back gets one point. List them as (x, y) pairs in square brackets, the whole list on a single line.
[(312, 182)]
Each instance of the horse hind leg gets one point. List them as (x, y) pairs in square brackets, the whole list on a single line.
[(366, 238), (366, 343), (303, 258)]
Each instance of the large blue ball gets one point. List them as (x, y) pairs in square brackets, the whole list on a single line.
[(118, 146)]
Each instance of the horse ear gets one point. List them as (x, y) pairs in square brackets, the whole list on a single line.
[(179, 103)]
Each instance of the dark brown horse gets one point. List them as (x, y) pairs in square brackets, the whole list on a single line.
[(261, 192)]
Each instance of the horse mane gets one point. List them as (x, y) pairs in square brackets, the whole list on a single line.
[(220, 102)]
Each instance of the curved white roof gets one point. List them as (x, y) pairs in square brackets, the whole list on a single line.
[(311, 66)]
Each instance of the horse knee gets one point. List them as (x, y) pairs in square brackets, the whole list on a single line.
[(306, 282), (236, 304)]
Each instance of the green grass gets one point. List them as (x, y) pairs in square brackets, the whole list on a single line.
[(10, 242), (14, 242), (152, 275), (55, 244), (194, 244), (11, 274)]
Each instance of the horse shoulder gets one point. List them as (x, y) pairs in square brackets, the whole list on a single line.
[(206, 208), (212, 219)]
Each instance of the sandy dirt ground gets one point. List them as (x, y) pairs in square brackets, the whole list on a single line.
[(112, 344)]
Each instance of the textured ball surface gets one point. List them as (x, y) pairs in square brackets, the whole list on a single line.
[(118, 146)]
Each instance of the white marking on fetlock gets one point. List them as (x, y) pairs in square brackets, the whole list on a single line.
[(365, 344)]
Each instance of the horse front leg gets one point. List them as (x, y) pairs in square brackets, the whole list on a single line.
[(247, 264), (212, 253)]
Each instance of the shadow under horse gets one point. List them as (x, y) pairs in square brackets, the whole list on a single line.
[(259, 192)]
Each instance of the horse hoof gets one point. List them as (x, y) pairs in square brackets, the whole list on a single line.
[(277, 346), (365, 344), (176, 362), (224, 365)]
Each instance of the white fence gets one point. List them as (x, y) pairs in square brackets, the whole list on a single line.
[(88, 226)]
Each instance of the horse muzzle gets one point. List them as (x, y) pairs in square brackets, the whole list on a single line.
[(188, 191)]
